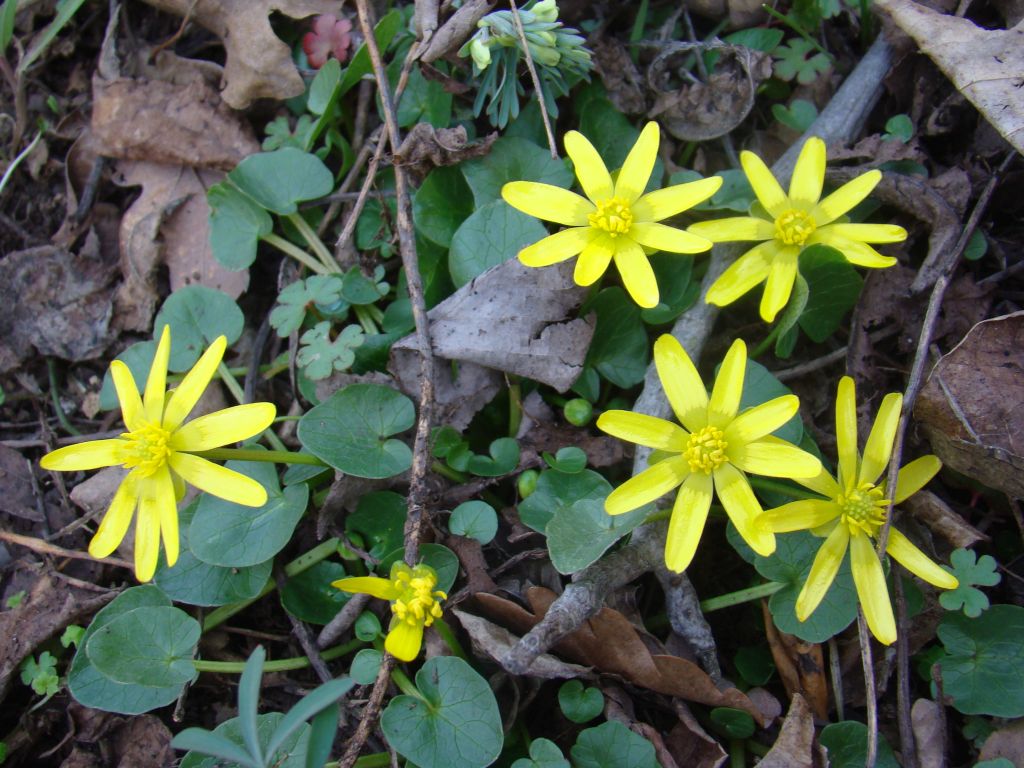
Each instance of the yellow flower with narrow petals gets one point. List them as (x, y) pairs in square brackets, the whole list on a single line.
[(712, 450), (616, 220), (414, 604), (794, 221), (158, 450), (853, 512)]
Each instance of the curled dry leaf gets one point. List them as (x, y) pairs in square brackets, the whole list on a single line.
[(926, 721), (690, 745), (1007, 742), (793, 748), (258, 64), (970, 406), (984, 64), (426, 147), (801, 666)]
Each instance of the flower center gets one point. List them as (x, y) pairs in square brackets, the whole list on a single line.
[(794, 227), (418, 601), (147, 449), (613, 216), (863, 509), (706, 450)]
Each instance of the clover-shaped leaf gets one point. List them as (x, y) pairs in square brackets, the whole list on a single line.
[(970, 572), (359, 289), (294, 301), (42, 674), (543, 754), (320, 355), (280, 133), (799, 115), (792, 61)]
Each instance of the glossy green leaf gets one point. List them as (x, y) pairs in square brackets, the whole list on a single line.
[(197, 315), (543, 754), (236, 225), (309, 595), (366, 665), (580, 533), (152, 646), (321, 90), (379, 519), (677, 292), (424, 101), (847, 745), (493, 234), (619, 350), (580, 704), (760, 386), (970, 573), (442, 203), (833, 289), (557, 491), (280, 180), (367, 627), (569, 459), (309, 705), (321, 354), (474, 519), (139, 359), (612, 745), (512, 159), (733, 723), (985, 655), (503, 458)]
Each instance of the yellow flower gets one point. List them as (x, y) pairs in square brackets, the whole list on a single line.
[(158, 449), (793, 221), (414, 604), (615, 220), (713, 449), (854, 511)]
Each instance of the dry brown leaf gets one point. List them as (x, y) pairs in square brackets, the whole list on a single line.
[(927, 721), (1007, 742), (16, 495), (986, 65), (690, 745), (608, 642), (258, 64), (794, 746), (168, 223), (801, 666), (426, 147), (971, 406)]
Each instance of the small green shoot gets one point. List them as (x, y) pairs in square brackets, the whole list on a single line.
[(970, 572)]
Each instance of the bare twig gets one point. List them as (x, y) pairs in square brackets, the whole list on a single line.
[(45, 548), (346, 618), (533, 76), (908, 744), (870, 695), (372, 710)]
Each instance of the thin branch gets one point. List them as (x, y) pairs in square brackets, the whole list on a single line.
[(871, 697), (45, 548)]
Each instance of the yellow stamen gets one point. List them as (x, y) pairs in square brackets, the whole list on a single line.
[(863, 509), (706, 450), (794, 227), (146, 450), (417, 603), (613, 216)]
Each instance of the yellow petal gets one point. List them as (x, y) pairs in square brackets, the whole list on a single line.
[(800, 515), (774, 459), (636, 171), (915, 476), (743, 508), (845, 198), (846, 432), (644, 430), (689, 513), (662, 203), (404, 641), (223, 427), (725, 397), (637, 274), (879, 445), (187, 394), (808, 175), (374, 586), (871, 589), (665, 238), (653, 483), (867, 233), (156, 382), (748, 270), (861, 254), (681, 382), (822, 483), (548, 202), (754, 423), (780, 282), (219, 481), (115, 522), (917, 562), (557, 247), (590, 168), (594, 260), (167, 512), (89, 455), (147, 531), (764, 184), (127, 395), (823, 572), (734, 228)]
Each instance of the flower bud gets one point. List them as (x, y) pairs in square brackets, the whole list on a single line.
[(546, 10), (578, 412), (481, 53)]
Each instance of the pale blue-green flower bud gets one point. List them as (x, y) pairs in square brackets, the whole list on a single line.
[(546, 10), (481, 53)]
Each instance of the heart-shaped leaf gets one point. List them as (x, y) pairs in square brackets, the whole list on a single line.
[(475, 519), (197, 315), (151, 646), (493, 234), (236, 225), (579, 534), (280, 180), (580, 704), (557, 491)]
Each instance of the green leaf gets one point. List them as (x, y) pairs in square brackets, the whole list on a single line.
[(41, 675), (236, 226), (7, 15), (296, 298), (379, 519), (760, 386), (580, 704), (442, 203), (613, 135), (512, 159), (899, 128), (366, 665), (151, 646), (798, 115), (474, 519), (976, 247), (970, 573), (569, 459), (360, 66), (795, 60), (444, 562), (197, 583), (758, 38), (735, 194), (493, 234), (504, 458), (755, 664), (455, 724), (677, 292), (93, 689), (579, 534), (323, 729), (232, 535), (350, 430), (847, 745), (309, 595), (248, 702), (358, 289), (320, 355), (424, 101), (787, 320), (139, 359), (733, 723), (543, 754), (834, 287), (612, 745), (280, 180), (197, 316), (215, 745), (619, 350), (290, 754), (556, 492), (367, 627), (321, 90), (986, 654), (317, 700)]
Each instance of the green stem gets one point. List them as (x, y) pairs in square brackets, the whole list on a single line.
[(18, 160), (296, 253), (239, 394), (737, 753), (366, 320), (51, 370), (449, 639), (250, 454), (766, 342), (776, 486), (376, 760), (741, 596), (445, 471), (515, 409), (314, 242), (406, 685), (280, 665)]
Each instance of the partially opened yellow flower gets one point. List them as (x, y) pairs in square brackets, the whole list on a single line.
[(158, 449), (794, 221), (414, 604), (853, 512), (616, 220), (713, 449)]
